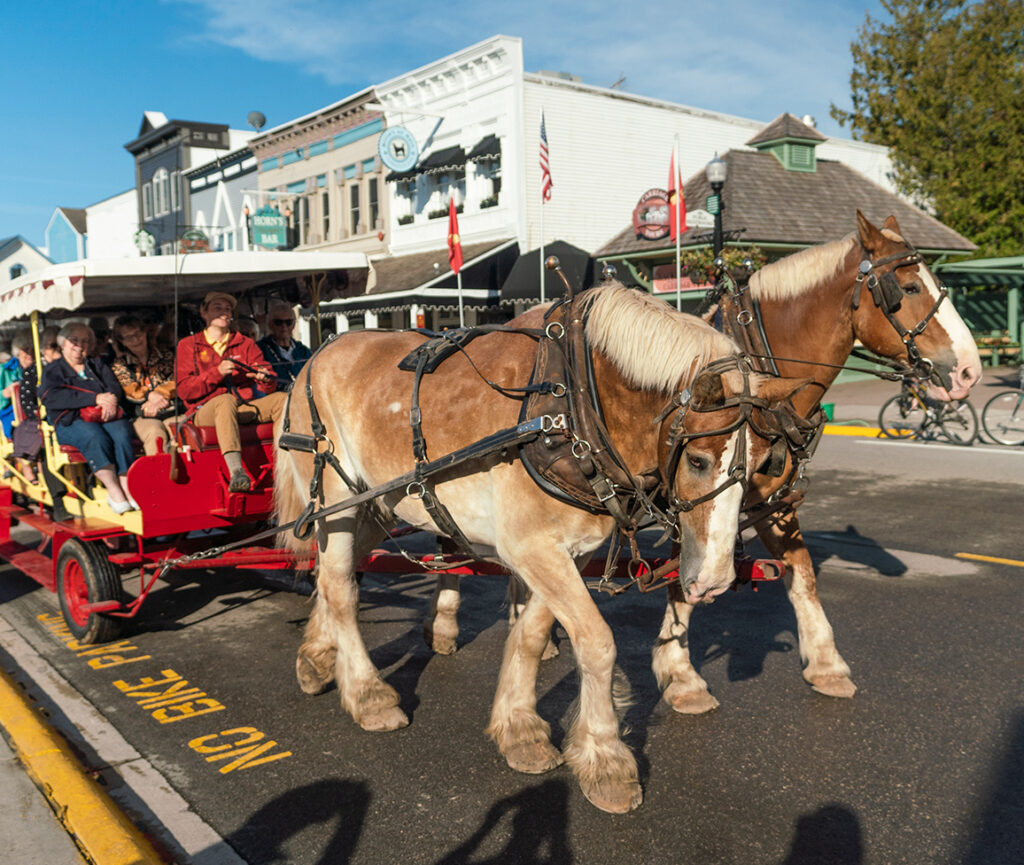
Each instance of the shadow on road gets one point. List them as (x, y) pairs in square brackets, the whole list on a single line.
[(539, 817), (829, 836), (853, 547), (342, 805)]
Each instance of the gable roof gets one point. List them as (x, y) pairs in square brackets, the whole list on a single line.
[(76, 218), (770, 205), (7, 244)]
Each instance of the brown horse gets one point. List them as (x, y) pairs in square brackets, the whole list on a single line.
[(813, 311), (643, 353)]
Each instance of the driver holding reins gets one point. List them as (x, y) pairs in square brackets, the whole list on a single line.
[(224, 380)]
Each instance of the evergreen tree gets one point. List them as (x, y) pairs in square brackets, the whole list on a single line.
[(942, 84)]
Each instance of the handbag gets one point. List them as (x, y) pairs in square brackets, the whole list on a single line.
[(94, 414)]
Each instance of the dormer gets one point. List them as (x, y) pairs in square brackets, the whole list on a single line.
[(791, 141)]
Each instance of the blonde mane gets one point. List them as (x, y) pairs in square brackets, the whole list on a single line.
[(652, 345), (799, 273)]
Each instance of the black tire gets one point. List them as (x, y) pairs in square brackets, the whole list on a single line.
[(901, 417), (959, 421), (85, 575), (1003, 418)]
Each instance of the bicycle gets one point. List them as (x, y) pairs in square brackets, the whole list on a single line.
[(913, 414), (1003, 416)]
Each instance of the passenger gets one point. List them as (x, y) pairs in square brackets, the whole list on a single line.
[(146, 375), (224, 381), (101, 346), (10, 372), (283, 353), (76, 382), (48, 347), (248, 327)]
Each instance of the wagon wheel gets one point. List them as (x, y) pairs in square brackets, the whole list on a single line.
[(85, 576)]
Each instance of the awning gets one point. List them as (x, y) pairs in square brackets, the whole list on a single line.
[(523, 282), (440, 161), (988, 272), (133, 282), (488, 147)]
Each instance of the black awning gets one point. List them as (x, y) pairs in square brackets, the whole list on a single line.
[(402, 175), (487, 148), (523, 282), (443, 160)]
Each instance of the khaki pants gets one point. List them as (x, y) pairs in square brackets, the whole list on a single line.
[(225, 413), (149, 429)]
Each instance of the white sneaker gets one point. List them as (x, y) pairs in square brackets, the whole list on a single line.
[(120, 507), (132, 502)]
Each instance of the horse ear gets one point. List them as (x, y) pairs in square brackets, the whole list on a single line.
[(776, 390), (868, 233), (707, 390), (892, 224)]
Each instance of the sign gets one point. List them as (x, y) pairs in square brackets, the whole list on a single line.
[(664, 281), (700, 219), (713, 204), (144, 241), (398, 149), (650, 216), (268, 228), (194, 240)]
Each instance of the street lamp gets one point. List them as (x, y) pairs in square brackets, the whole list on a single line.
[(716, 171)]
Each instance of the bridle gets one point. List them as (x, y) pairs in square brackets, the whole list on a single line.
[(888, 295)]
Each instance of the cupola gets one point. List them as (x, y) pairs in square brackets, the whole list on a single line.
[(791, 141)]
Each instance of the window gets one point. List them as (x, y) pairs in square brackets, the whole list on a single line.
[(175, 191), (17, 270), (373, 191), (325, 214), (147, 201), (489, 170), (353, 200), (404, 201), (161, 192)]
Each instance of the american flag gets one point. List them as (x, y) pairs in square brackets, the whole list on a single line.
[(545, 169)]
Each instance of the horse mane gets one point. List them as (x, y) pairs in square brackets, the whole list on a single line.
[(798, 273), (654, 346)]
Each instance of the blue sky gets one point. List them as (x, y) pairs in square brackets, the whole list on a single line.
[(77, 76)]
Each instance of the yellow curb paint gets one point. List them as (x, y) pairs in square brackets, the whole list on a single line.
[(864, 431), (998, 561), (105, 835)]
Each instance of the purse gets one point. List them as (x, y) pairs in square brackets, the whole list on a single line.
[(94, 414)]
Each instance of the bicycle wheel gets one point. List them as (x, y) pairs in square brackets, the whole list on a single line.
[(959, 421), (901, 417), (1003, 418)]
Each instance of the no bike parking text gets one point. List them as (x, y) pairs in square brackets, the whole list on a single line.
[(170, 699)]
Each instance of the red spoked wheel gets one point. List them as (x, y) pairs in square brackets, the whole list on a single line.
[(85, 579)]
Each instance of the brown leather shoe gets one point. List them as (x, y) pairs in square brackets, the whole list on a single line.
[(240, 482)]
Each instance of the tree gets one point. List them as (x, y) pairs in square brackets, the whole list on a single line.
[(942, 84)]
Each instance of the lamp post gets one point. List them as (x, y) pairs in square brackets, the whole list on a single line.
[(716, 172)]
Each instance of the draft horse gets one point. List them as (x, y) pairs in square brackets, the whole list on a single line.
[(695, 436), (873, 287)]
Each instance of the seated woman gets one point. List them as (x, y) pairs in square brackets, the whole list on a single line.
[(146, 375), (76, 382)]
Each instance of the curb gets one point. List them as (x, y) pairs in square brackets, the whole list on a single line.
[(863, 431), (99, 828)]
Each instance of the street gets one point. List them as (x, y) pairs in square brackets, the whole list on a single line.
[(923, 765)]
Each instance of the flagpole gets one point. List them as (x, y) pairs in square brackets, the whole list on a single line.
[(679, 269), (542, 297), (462, 317)]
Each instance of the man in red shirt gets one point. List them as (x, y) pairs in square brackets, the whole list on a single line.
[(224, 380)]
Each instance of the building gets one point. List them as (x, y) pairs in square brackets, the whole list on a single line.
[(222, 195), (113, 227), (163, 150), (18, 257), (66, 235)]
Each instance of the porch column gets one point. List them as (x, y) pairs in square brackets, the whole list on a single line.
[(1013, 313)]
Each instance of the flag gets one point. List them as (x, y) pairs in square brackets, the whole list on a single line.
[(545, 169), (454, 241), (676, 200)]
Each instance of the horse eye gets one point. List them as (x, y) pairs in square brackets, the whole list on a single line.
[(912, 288), (696, 462)]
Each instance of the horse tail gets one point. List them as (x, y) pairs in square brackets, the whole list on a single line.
[(289, 501)]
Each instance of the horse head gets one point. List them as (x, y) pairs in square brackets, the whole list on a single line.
[(901, 311), (720, 436)]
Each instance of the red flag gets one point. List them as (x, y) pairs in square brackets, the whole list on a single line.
[(545, 167), (454, 241), (676, 200)]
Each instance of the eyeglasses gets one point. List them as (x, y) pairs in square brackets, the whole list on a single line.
[(277, 322), (80, 341), (132, 337)]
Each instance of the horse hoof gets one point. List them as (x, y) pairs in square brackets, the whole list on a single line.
[(384, 721), (533, 758), (690, 702), (440, 643), (834, 686), (614, 797), (550, 651), (311, 680)]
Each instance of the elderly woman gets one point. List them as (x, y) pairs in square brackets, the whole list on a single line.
[(146, 375), (75, 382)]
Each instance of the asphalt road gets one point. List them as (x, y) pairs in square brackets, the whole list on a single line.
[(923, 765)]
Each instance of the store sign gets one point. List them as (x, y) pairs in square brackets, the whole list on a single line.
[(664, 280), (398, 149), (269, 228), (194, 240), (650, 216), (699, 219), (144, 242)]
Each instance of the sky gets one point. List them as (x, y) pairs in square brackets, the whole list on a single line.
[(77, 75)]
